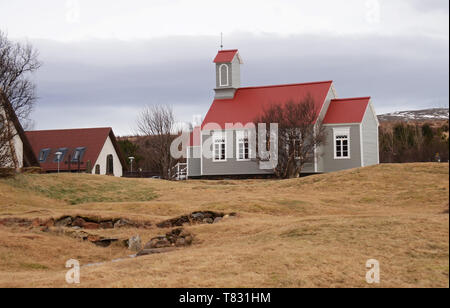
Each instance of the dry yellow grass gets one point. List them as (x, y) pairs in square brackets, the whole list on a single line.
[(311, 232)]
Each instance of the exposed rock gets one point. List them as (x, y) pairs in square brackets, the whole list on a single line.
[(210, 214), (198, 216), (177, 237), (106, 225), (24, 223), (180, 242), (49, 223), (205, 217), (218, 219), (173, 235), (158, 242), (63, 222), (19, 222), (82, 235), (79, 222), (93, 238), (208, 220), (134, 243), (91, 226), (71, 222), (36, 222), (122, 223)]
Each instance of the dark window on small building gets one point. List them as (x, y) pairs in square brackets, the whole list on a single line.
[(43, 155), (97, 169), (61, 158), (78, 154), (110, 165)]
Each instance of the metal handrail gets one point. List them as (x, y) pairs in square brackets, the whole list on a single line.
[(179, 172)]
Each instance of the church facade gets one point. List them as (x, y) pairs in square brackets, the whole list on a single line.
[(219, 147)]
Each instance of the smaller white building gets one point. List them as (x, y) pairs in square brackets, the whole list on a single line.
[(92, 150)]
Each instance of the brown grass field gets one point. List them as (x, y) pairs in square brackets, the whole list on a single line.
[(317, 231)]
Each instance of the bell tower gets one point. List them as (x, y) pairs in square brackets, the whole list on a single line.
[(228, 73)]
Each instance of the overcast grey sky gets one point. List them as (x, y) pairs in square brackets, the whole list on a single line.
[(105, 60)]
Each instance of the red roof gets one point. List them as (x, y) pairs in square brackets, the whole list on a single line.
[(249, 103), (347, 110), (93, 139), (225, 56), (194, 137)]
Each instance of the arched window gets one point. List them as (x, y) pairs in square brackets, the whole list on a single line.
[(109, 165), (97, 169), (223, 75)]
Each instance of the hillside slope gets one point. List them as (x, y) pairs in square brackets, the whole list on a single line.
[(317, 231), (434, 114)]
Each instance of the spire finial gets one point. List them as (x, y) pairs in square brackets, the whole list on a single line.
[(221, 41)]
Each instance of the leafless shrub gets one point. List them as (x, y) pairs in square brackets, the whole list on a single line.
[(17, 62), (299, 134), (158, 123)]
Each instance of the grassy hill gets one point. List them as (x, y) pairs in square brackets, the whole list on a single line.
[(317, 231)]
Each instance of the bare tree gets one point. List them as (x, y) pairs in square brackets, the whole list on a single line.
[(17, 62), (158, 123), (300, 132)]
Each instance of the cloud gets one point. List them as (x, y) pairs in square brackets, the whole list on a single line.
[(140, 19), (431, 5), (107, 82)]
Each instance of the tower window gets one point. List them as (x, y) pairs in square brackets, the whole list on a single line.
[(223, 75)]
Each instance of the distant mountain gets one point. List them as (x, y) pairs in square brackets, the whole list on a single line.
[(435, 114)]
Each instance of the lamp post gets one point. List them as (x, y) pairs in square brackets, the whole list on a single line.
[(131, 158), (58, 154)]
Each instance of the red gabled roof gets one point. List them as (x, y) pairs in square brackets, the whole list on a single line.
[(249, 103), (225, 56), (93, 139), (347, 110), (194, 137)]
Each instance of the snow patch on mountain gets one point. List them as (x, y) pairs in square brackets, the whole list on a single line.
[(434, 114)]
